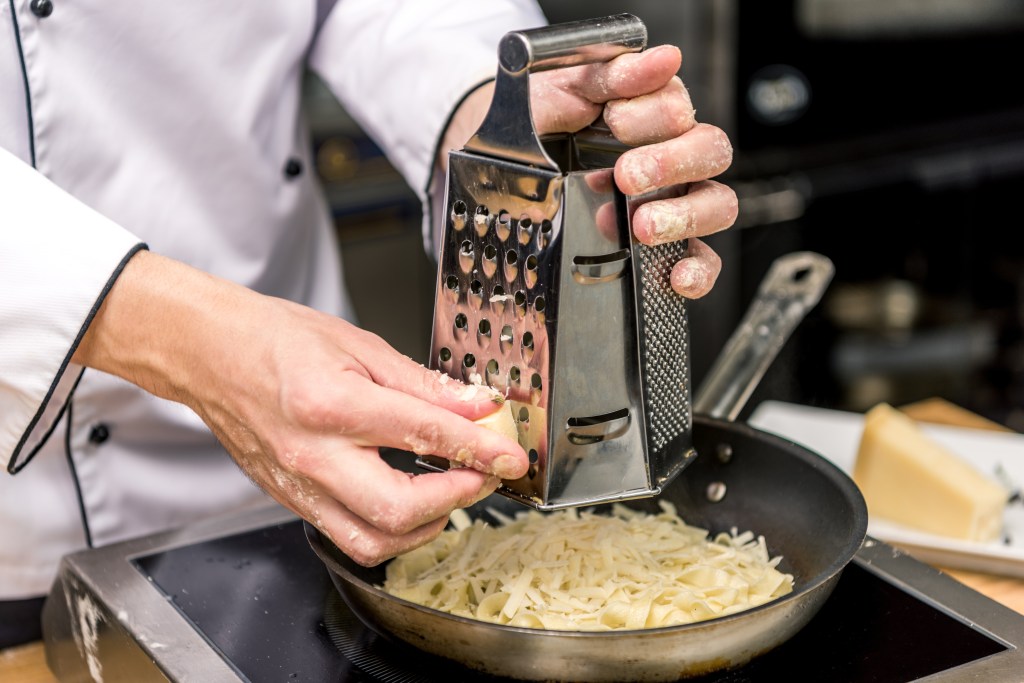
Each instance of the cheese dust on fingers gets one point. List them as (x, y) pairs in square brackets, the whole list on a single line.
[(582, 571)]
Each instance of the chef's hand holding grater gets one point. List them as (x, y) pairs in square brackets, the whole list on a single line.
[(646, 106)]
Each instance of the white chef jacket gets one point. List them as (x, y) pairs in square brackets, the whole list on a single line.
[(172, 124)]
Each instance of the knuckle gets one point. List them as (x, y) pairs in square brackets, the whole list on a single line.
[(393, 517), (314, 405), (368, 553), (367, 548), (424, 438)]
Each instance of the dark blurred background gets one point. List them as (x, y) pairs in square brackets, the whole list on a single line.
[(885, 134)]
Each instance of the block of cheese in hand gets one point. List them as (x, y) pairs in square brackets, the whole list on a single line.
[(501, 421), (907, 477)]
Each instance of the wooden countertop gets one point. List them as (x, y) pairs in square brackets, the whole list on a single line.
[(27, 663)]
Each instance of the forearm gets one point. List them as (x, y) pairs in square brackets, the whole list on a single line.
[(162, 327)]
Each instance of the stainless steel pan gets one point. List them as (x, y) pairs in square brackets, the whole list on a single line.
[(809, 511)]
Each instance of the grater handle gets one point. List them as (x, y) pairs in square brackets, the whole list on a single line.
[(792, 287), (507, 131), (573, 43)]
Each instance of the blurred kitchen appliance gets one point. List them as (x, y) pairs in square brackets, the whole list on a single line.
[(804, 84)]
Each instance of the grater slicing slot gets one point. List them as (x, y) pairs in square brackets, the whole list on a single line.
[(587, 430), (590, 270)]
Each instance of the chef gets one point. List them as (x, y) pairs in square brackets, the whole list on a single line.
[(173, 327)]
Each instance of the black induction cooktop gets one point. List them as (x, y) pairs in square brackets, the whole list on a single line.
[(256, 604)]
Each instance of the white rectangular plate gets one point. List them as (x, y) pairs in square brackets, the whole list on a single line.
[(836, 435)]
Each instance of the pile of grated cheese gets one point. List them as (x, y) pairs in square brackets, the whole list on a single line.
[(581, 571)]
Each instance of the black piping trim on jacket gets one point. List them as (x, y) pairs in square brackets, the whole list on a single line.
[(74, 477), (13, 466), (436, 155), (24, 78)]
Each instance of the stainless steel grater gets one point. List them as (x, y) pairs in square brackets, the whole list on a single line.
[(544, 294)]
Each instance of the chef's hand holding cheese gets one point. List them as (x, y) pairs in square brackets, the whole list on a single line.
[(302, 400), (907, 477), (646, 106)]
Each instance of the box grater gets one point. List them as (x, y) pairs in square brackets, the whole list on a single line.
[(544, 295)]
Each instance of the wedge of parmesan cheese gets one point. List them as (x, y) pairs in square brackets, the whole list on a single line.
[(501, 421), (907, 477)]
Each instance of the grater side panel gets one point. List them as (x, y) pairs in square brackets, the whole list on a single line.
[(495, 298), (596, 367)]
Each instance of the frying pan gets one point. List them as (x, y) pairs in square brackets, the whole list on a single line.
[(808, 510)]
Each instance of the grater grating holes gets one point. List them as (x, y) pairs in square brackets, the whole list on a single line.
[(505, 339), (482, 220), (461, 323), (491, 374), (527, 348), (544, 236), (511, 265), (519, 299), (503, 228), (495, 272), (525, 230), (489, 263), (530, 273)]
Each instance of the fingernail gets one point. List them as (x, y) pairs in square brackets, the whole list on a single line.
[(507, 467), (685, 279), (690, 280), (641, 173)]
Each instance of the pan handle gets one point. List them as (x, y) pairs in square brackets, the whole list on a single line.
[(792, 287), (507, 131)]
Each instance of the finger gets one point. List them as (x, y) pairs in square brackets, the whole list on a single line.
[(389, 368), (662, 115), (394, 502), (566, 100), (366, 544), (628, 75), (388, 417), (369, 547), (706, 208), (702, 152), (695, 275)]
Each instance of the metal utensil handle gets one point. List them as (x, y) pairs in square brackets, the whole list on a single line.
[(573, 43), (507, 132), (792, 287)]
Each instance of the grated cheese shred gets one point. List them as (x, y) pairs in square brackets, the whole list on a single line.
[(582, 571)]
